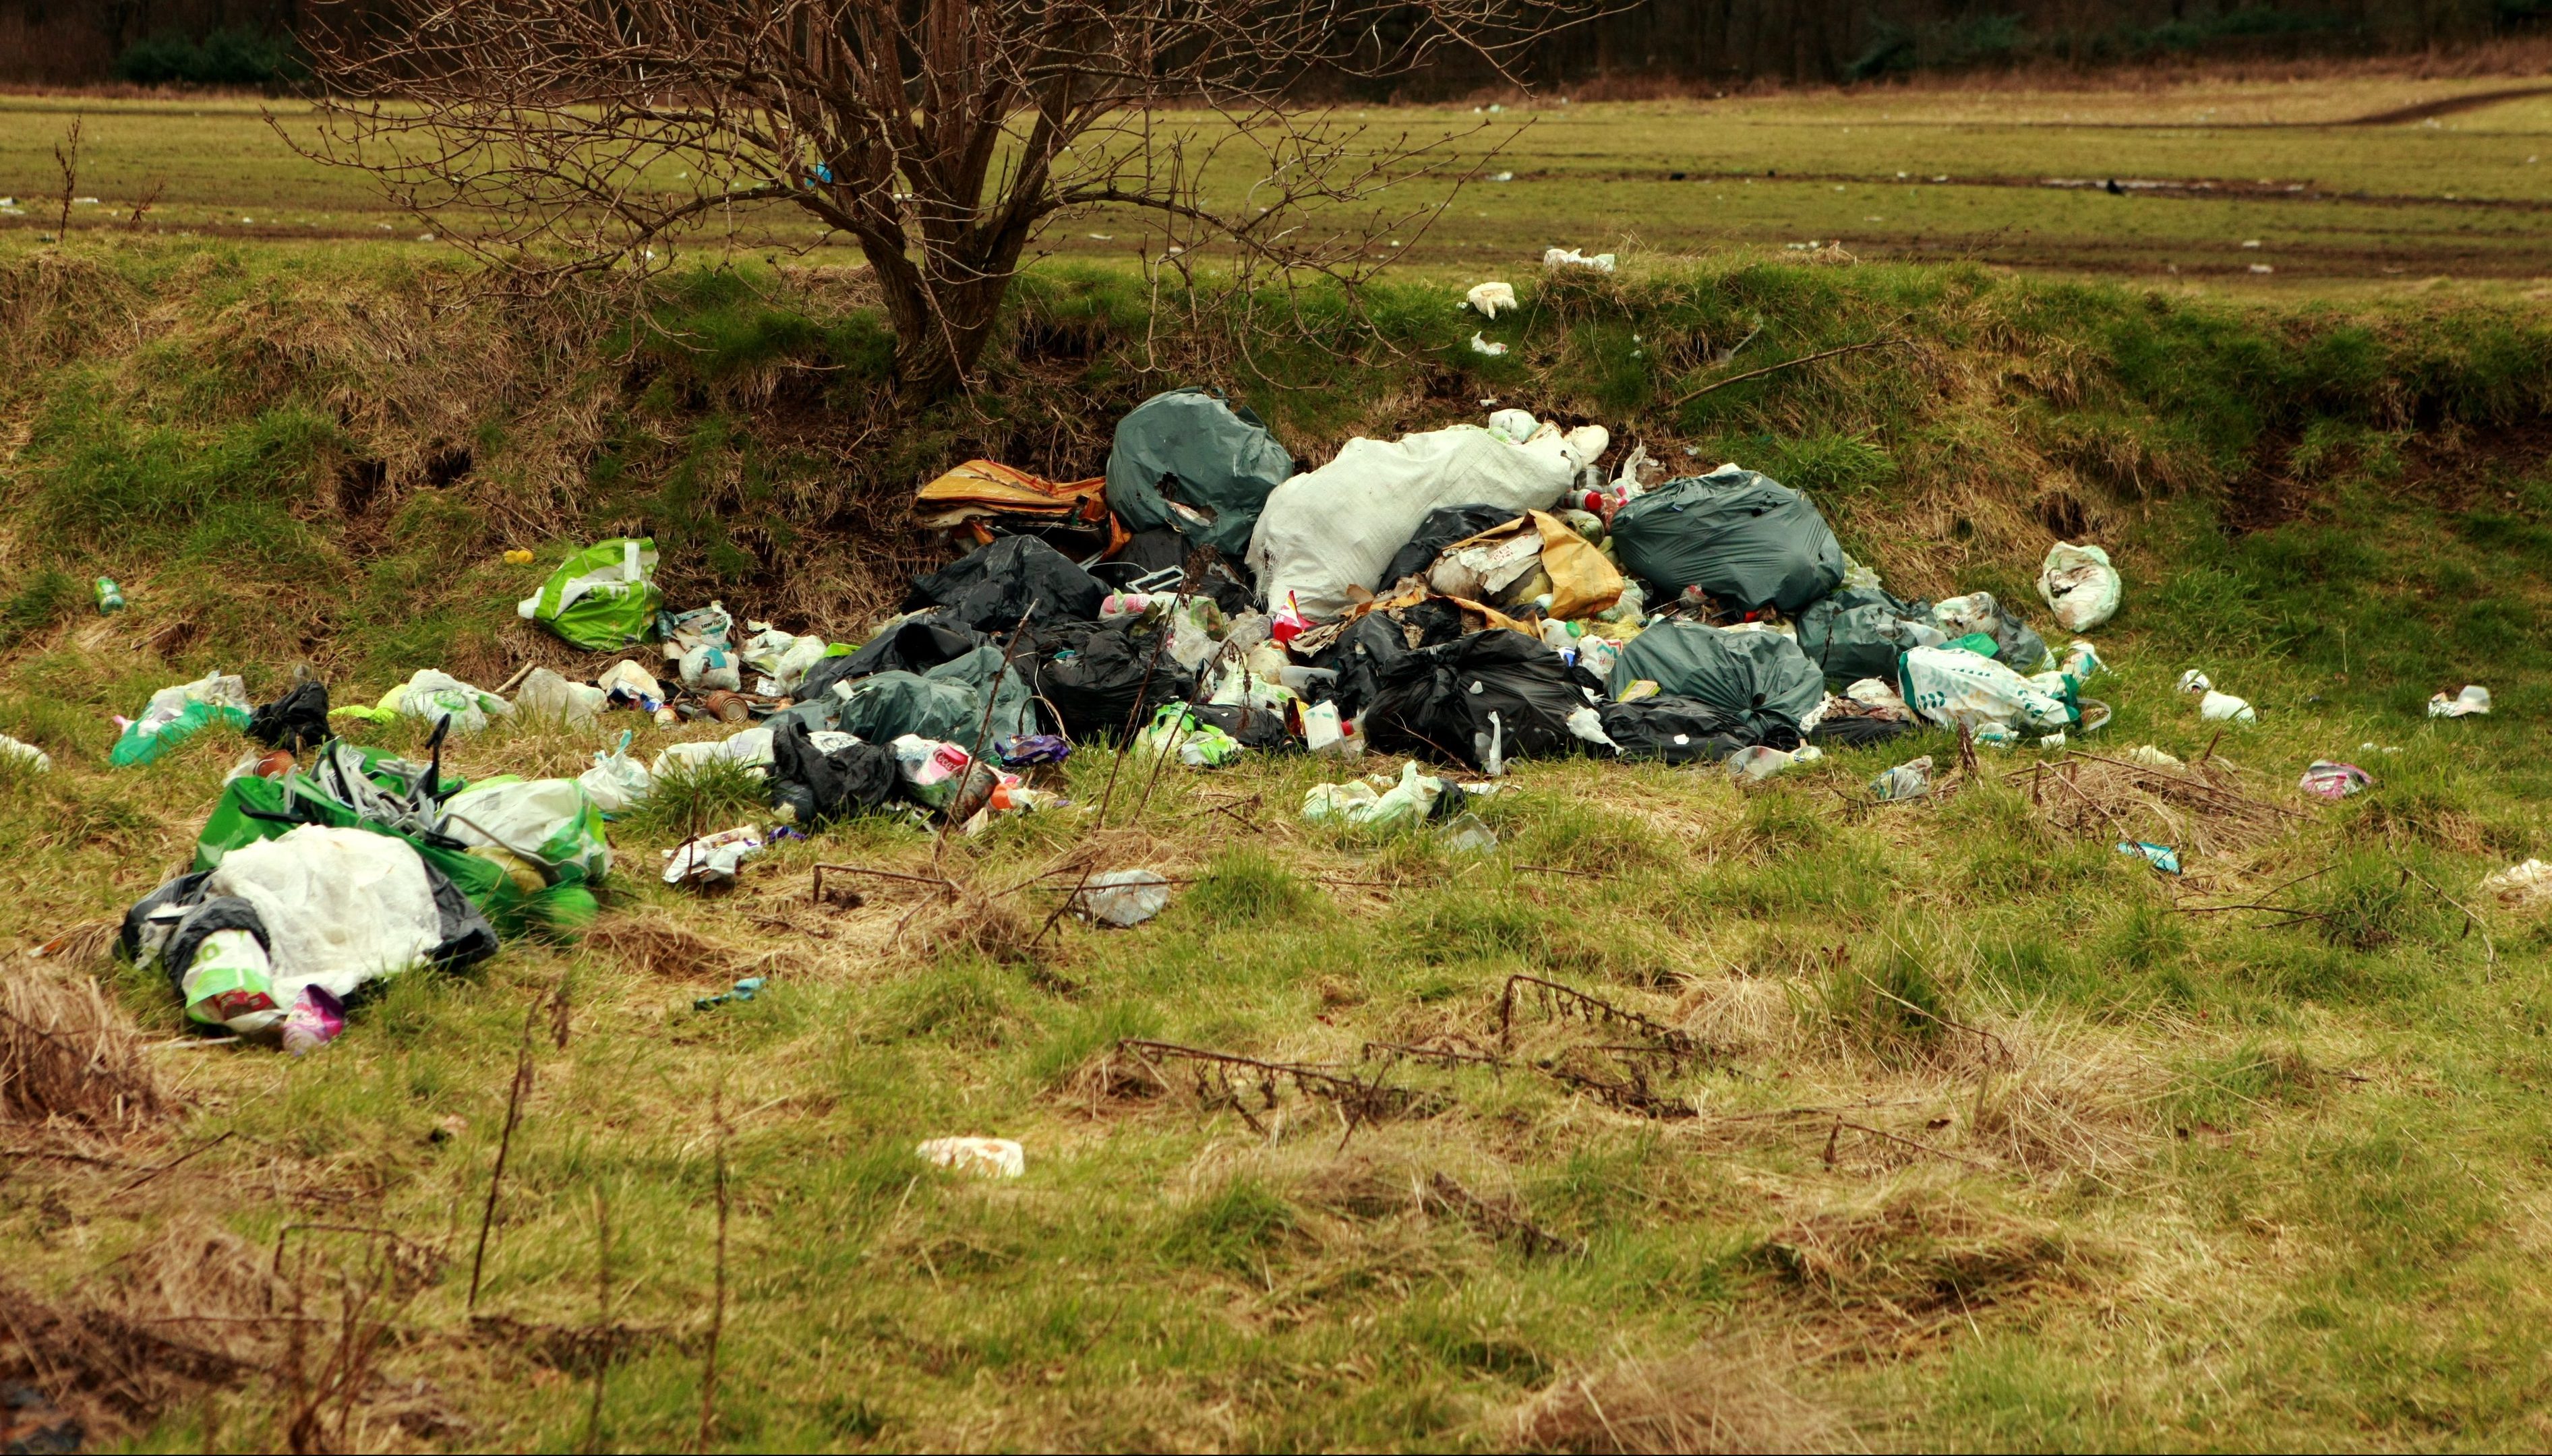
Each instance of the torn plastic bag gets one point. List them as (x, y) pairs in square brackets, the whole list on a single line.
[(1739, 535), (819, 784), (1363, 655), (946, 701), (1535, 559), (750, 747), (914, 644), (1251, 727), (431, 697), (604, 596), (1443, 526), (1955, 688), (1327, 534), (551, 822), (1177, 729), (1186, 460), (551, 698), (1104, 683), (617, 783), (1760, 679), (1414, 799), (333, 907), (784, 658), (1859, 631), (991, 589), (1685, 730), (2016, 645), (1491, 698), (175, 714), (295, 721), (986, 497), (2078, 585)]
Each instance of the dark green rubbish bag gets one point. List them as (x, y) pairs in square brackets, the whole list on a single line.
[(1760, 677), (1741, 536), (1187, 460)]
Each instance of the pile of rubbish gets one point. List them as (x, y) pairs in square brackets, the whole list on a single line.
[(1471, 596)]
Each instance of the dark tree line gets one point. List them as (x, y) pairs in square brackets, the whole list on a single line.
[(1691, 43)]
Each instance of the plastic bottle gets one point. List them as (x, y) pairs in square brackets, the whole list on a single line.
[(110, 598)]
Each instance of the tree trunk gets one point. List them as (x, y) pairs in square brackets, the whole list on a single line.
[(941, 323)]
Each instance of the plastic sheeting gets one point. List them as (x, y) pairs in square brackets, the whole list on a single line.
[(1187, 460), (991, 588), (1741, 536), (1330, 531), (1491, 698), (1760, 679)]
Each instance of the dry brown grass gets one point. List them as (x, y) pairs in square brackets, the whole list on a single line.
[(1919, 1242), (654, 945), (1708, 1398), (68, 1058), (2205, 807)]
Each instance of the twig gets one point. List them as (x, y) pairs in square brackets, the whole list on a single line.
[(717, 1309), (602, 1316), (2001, 1047), (200, 1148), (1840, 1124), (1558, 870), (1565, 999), (515, 1095), (1783, 364)]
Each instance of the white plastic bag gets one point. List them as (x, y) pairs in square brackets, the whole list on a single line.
[(430, 694), (2080, 586), (1951, 688), (341, 907), (2224, 707), (2475, 698), (1486, 299), (1325, 533), (548, 696), (751, 748), (1358, 801), (1571, 258), (548, 821), (617, 783)]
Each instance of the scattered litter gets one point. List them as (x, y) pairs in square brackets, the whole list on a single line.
[(36, 759), (1556, 258), (2194, 680), (2475, 698), (1467, 834), (1122, 898), (984, 1157), (2521, 886), (2371, 747), (2333, 780), (548, 696), (1376, 802), (743, 990), (629, 685), (2224, 707), (1489, 346), (110, 598), (431, 695), (1756, 764), (1178, 729), (1031, 749), (1486, 299), (2080, 586), (175, 714), (2145, 753), (518, 557), (713, 859), (2160, 856), (1906, 781), (617, 783)]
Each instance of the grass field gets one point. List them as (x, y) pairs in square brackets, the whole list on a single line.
[(1992, 1137), (1890, 173)]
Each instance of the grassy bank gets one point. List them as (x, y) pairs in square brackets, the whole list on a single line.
[(1990, 1136)]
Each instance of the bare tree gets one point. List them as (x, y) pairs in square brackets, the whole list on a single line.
[(941, 135)]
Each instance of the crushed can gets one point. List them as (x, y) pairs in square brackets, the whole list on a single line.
[(110, 598)]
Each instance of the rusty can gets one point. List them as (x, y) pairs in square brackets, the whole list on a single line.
[(728, 707)]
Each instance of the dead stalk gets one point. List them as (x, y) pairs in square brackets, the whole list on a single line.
[(521, 1087)]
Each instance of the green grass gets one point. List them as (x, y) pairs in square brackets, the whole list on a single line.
[(1995, 1143), (1889, 173)]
